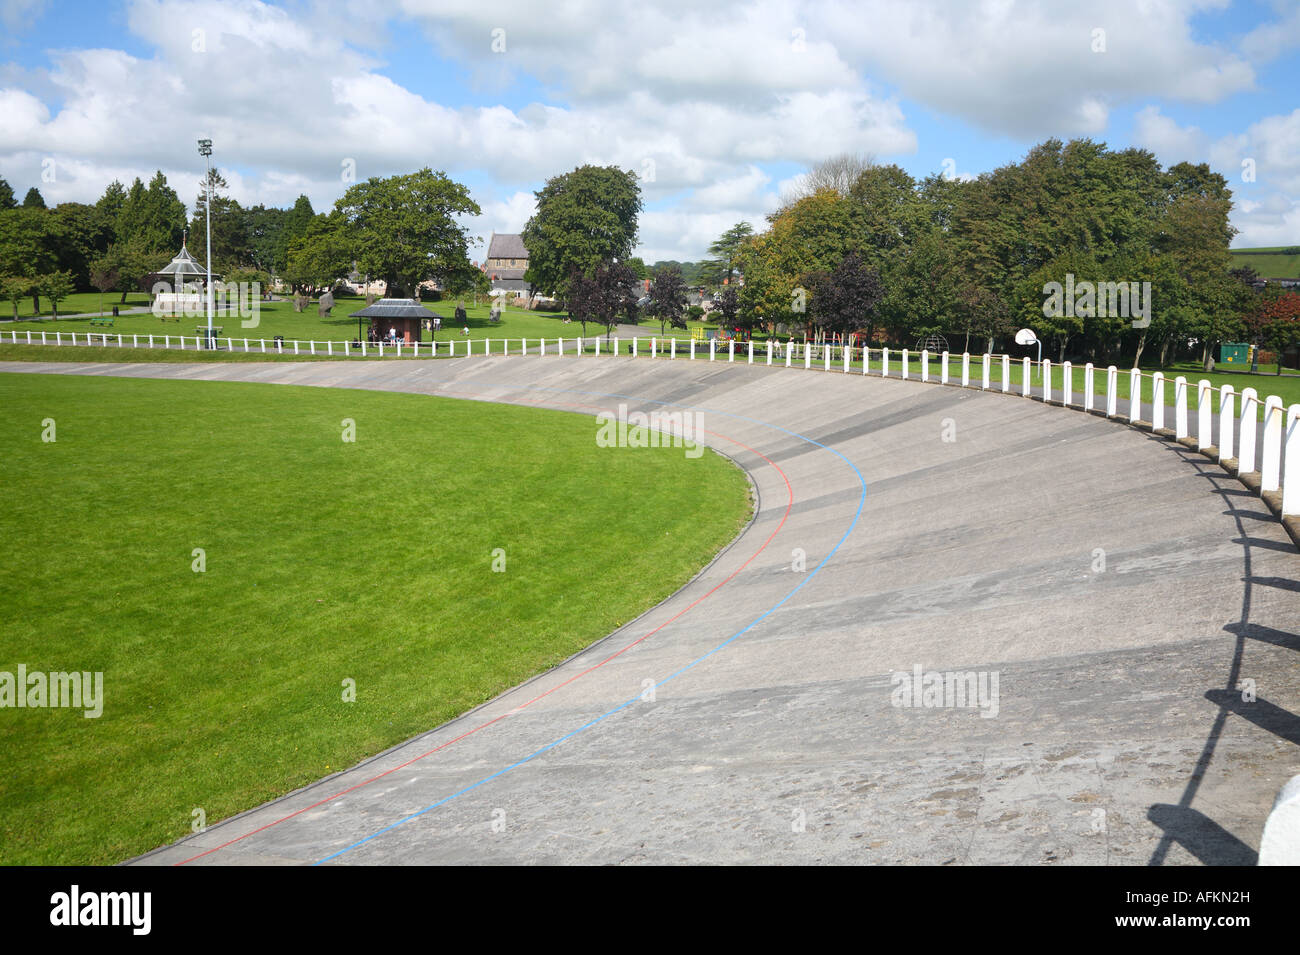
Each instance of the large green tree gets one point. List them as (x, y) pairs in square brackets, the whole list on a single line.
[(154, 217), (584, 218), (404, 229), (724, 264), (28, 247)]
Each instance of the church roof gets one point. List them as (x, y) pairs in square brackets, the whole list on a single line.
[(506, 246)]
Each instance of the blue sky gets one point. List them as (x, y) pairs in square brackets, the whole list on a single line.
[(719, 110)]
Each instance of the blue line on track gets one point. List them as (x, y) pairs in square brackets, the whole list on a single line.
[(625, 704)]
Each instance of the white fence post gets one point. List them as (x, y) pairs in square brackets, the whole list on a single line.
[(965, 369), (672, 350), (731, 350), (789, 352), (1271, 462), (1134, 395), (1026, 382), (1204, 408), (1246, 442), (1067, 383), (1226, 420), (692, 349), (713, 349), (988, 371), (751, 351), (826, 357), (1157, 401), (884, 363), (1291, 491), (1112, 390), (769, 351), (807, 355), (1047, 380), (905, 356), (1180, 407), (943, 368), (925, 364), (846, 353), (1006, 373)]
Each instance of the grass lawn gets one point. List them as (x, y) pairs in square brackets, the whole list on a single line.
[(325, 561), (1273, 265)]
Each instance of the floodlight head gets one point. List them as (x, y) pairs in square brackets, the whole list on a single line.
[(205, 147), (1026, 336)]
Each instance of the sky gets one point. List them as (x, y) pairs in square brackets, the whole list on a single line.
[(719, 108)]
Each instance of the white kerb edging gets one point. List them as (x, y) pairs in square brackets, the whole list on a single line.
[(1280, 843)]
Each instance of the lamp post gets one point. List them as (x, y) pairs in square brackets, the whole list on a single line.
[(205, 150)]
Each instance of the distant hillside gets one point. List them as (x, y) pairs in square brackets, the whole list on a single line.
[(690, 270), (1278, 262)]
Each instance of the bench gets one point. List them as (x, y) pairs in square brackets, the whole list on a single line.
[(106, 321), (169, 318)]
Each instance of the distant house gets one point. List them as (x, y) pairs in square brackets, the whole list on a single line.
[(507, 261)]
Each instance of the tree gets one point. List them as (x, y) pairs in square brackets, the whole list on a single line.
[(79, 233), (27, 246), (608, 294), (33, 199), (13, 288), (132, 264), (56, 286), (837, 174), (667, 297), (403, 229), (1275, 321), (110, 204), (229, 224), (584, 218), (892, 212), (729, 307), (320, 257), (104, 277), (638, 267), (152, 217), (811, 236), (721, 269), (7, 200), (845, 299)]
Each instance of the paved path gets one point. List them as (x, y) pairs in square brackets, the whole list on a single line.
[(1119, 735)]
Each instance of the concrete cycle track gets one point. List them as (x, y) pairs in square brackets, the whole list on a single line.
[(1109, 592)]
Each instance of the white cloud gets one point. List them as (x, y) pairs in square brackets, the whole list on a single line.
[(702, 97)]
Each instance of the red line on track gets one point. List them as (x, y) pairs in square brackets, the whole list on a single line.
[(482, 726)]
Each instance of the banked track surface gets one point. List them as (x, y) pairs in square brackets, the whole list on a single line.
[(1120, 736)]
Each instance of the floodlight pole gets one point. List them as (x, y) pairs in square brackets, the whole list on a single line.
[(205, 150)]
